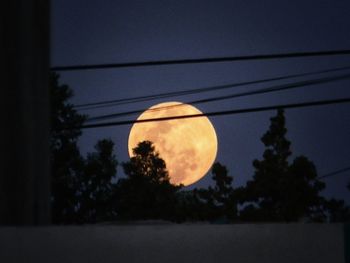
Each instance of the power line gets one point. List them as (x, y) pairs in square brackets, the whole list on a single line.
[(201, 60), (334, 173), (216, 113), (276, 88), (110, 103)]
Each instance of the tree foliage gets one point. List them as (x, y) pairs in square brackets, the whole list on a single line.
[(281, 191), (146, 193), (66, 161), (213, 204), (97, 187), (81, 187), (223, 193)]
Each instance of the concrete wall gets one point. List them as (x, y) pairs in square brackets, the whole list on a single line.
[(175, 243)]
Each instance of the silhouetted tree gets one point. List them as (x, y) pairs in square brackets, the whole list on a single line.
[(146, 193), (220, 204), (207, 208), (223, 192), (302, 192), (66, 160), (279, 191), (214, 204), (97, 188), (190, 207), (337, 211), (82, 188)]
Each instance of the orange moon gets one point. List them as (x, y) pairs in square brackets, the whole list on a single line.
[(188, 146)]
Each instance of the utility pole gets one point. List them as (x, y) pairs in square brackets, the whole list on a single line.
[(25, 113)]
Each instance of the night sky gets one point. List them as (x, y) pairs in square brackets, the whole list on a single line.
[(93, 32)]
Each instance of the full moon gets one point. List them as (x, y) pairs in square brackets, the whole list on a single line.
[(188, 146)]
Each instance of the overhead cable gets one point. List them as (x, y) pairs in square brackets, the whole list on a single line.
[(117, 102), (215, 113), (202, 60), (276, 88)]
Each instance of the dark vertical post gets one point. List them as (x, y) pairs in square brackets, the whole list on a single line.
[(24, 100)]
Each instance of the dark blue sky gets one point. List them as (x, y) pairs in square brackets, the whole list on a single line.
[(89, 32)]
